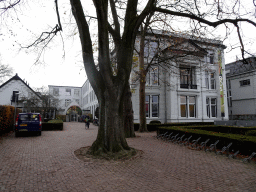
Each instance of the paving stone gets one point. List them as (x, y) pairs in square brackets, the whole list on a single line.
[(47, 163)]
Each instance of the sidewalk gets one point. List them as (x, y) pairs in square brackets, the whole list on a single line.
[(47, 163)]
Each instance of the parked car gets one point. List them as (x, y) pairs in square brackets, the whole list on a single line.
[(28, 122)]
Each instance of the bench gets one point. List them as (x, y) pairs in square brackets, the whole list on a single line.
[(213, 146), (225, 149), (248, 159), (194, 142), (203, 145), (233, 155)]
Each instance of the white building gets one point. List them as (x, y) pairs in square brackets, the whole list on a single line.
[(16, 92), (190, 87), (75, 101), (241, 87)]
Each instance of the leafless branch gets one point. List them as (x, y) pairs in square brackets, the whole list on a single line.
[(8, 5), (46, 37)]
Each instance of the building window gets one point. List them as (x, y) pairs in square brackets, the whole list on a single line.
[(55, 91), (15, 96), (150, 48), (152, 106), (68, 91), (210, 80), (211, 107), (67, 102), (210, 58), (188, 78), (245, 82), (187, 106), (76, 92), (77, 101), (152, 76)]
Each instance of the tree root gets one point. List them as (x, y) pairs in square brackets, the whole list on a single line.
[(85, 153)]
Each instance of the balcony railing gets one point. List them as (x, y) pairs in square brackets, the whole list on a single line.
[(188, 86)]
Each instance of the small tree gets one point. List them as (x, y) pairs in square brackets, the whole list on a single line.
[(5, 71)]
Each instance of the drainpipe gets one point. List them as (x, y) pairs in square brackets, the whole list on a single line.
[(202, 102), (165, 100)]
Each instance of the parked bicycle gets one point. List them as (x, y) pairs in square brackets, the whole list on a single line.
[(96, 122)]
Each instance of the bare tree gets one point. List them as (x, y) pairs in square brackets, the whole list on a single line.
[(49, 104), (122, 27), (110, 87), (5, 71)]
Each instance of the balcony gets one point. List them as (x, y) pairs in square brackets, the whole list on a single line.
[(188, 86)]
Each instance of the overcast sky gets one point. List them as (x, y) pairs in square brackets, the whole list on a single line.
[(25, 25)]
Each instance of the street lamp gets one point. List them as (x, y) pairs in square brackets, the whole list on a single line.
[(15, 100)]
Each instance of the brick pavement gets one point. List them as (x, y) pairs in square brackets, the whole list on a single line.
[(47, 163)]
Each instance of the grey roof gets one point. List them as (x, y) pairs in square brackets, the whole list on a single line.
[(241, 66)]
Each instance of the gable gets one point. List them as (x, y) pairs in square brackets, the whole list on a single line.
[(185, 47), (17, 79)]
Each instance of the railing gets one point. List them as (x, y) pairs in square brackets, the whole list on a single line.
[(188, 86)]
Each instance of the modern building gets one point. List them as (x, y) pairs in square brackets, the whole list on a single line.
[(241, 88), (74, 102)]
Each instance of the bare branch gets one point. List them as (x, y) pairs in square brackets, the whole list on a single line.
[(46, 37), (8, 5), (202, 20)]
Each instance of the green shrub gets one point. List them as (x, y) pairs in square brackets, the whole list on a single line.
[(7, 118), (155, 122), (55, 121), (52, 125), (251, 133), (61, 117)]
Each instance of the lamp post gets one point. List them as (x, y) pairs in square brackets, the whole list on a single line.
[(15, 100)]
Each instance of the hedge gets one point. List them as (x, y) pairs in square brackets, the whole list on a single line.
[(7, 118), (150, 127), (222, 129), (245, 144), (61, 117), (153, 125), (52, 125)]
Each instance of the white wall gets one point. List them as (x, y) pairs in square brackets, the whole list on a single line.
[(6, 91)]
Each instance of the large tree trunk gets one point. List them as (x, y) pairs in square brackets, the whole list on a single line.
[(128, 113), (111, 137)]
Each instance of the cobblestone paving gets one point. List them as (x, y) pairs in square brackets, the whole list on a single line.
[(47, 163)]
